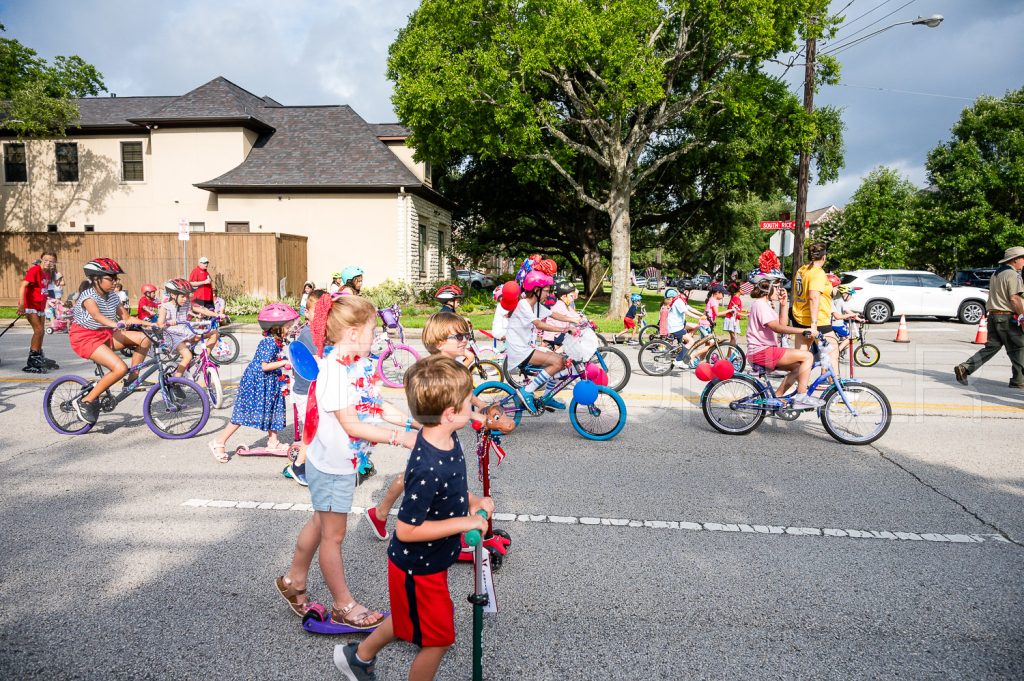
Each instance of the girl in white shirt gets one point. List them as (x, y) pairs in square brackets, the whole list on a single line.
[(525, 320)]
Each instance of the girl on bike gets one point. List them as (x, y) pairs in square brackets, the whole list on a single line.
[(344, 420), (99, 329), (524, 321), (731, 321), (173, 317), (763, 344), (260, 402), (563, 312), (352, 281)]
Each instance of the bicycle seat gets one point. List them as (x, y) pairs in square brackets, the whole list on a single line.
[(759, 369)]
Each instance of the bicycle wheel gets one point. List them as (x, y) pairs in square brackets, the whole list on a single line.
[(728, 351), (484, 370), (601, 420), (732, 406), (515, 377), (615, 364), (655, 358), (874, 413), (866, 355), (393, 364), (214, 388), (174, 418), (226, 350), (58, 405), (496, 391), (647, 333)]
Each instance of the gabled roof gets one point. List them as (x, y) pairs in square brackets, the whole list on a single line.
[(816, 216), (218, 102), (390, 131), (114, 112)]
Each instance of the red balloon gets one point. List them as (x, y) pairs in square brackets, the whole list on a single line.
[(704, 371), (596, 374), (510, 289), (723, 370), (508, 304)]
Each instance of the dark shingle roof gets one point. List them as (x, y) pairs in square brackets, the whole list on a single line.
[(390, 130), (218, 100), (317, 146), (115, 111)]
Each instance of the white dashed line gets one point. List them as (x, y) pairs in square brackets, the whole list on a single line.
[(826, 532)]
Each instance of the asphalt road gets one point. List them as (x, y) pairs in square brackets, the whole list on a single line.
[(670, 552)]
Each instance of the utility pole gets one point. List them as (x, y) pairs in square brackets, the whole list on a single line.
[(805, 163)]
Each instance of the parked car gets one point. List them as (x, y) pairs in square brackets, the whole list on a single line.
[(978, 277), (655, 283), (474, 279), (641, 280), (881, 294)]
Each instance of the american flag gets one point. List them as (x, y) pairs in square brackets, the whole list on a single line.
[(652, 273), (745, 288)]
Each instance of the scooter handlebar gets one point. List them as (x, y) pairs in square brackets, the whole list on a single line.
[(473, 536)]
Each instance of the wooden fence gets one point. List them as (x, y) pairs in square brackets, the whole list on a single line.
[(241, 263)]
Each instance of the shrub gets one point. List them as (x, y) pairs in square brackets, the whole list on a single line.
[(388, 293), (244, 304)]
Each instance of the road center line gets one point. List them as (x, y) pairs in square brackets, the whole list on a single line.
[(764, 530)]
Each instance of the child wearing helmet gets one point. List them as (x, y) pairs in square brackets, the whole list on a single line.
[(336, 284), (148, 305), (352, 281), (260, 402), (629, 321), (449, 296), (563, 312), (173, 317), (527, 318), (844, 319)]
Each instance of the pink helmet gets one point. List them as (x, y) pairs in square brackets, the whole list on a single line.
[(536, 279), (497, 292), (276, 314)]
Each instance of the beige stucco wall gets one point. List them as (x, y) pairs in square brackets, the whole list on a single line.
[(405, 155), (173, 160)]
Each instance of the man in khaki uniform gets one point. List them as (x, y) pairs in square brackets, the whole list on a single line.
[(1005, 319)]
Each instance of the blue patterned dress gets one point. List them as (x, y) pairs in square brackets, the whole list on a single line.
[(260, 403)]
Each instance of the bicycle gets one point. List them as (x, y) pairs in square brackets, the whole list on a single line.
[(738, 405), (656, 357), (227, 347), (482, 370), (394, 359), (601, 420), (169, 415), (612, 360), (864, 354), (205, 371)]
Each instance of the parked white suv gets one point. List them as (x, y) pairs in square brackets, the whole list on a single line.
[(881, 294), (474, 279)]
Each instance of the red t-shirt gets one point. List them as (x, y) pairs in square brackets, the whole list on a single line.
[(147, 307), (35, 294), (204, 292)]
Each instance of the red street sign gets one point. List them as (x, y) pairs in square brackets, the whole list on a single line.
[(782, 224)]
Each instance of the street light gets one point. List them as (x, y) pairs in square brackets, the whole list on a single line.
[(803, 168)]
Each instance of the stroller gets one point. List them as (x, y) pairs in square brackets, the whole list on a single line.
[(59, 314)]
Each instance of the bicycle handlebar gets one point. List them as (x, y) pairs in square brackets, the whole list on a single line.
[(473, 536)]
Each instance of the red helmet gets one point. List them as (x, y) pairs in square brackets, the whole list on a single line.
[(448, 292), (178, 285), (147, 288), (102, 267), (833, 279)]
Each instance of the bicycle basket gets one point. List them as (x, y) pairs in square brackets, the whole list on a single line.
[(580, 346), (390, 315)]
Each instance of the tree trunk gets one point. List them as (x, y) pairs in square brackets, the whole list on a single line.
[(591, 257), (618, 211)]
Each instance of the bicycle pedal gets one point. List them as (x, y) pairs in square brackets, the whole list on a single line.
[(549, 408)]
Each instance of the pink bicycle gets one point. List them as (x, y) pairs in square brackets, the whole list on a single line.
[(204, 370), (394, 359)]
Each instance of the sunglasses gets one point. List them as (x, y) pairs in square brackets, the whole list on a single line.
[(459, 337)]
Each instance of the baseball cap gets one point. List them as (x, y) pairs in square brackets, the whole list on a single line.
[(204, 260)]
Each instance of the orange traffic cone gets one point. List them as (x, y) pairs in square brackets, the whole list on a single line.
[(901, 333), (981, 337)]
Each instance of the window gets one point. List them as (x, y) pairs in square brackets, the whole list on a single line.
[(90, 228), (440, 255), (932, 280), (67, 161), (879, 279), (131, 162), (904, 280), (15, 168), (197, 227), (51, 228), (428, 172), (236, 227), (423, 251)]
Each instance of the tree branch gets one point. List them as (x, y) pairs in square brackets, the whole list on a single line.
[(581, 192)]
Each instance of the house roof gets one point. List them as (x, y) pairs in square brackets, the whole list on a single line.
[(816, 216), (219, 101), (105, 112), (391, 130)]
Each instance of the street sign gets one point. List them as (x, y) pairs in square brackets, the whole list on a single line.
[(782, 243), (781, 224), (183, 229)]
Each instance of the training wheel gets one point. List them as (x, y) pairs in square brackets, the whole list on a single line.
[(504, 535), (496, 559)]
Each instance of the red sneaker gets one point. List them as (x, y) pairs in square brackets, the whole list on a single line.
[(378, 527)]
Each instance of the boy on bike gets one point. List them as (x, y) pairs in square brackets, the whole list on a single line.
[(841, 312)]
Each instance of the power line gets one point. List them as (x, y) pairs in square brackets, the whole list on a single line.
[(842, 43), (925, 94), (847, 24)]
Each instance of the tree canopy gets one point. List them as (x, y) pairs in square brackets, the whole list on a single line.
[(876, 228), (634, 88), (37, 98)]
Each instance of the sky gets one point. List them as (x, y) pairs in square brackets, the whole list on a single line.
[(335, 52)]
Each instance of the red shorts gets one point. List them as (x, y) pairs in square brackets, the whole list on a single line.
[(629, 322), (768, 358), (85, 341), (421, 607)]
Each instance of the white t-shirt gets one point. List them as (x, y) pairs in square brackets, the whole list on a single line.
[(677, 315), (499, 325), (338, 386), (521, 334)]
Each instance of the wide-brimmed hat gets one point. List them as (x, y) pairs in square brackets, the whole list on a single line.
[(1011, 253)]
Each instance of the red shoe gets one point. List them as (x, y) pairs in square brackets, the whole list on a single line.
[(378, 527)]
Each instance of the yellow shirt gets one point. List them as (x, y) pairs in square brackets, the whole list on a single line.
[(810, 278)]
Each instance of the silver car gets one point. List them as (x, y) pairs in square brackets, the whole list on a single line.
[(474, 279)]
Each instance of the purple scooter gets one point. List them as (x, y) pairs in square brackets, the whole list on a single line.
[(317, 620)]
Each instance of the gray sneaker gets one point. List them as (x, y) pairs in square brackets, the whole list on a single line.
[(353, 669), (805, 401)]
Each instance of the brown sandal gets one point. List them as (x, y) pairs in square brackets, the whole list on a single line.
[(366, 620), (291, 594)]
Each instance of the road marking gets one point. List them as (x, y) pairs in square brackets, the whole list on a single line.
[(763, 530)]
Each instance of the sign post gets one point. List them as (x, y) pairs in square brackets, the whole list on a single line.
[(183, 238)]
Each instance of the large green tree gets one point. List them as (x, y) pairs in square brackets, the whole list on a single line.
[(37, 98), (877, 228), (626, 85), (974, 207)]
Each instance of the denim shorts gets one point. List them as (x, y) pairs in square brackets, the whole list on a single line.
[(330, 492)]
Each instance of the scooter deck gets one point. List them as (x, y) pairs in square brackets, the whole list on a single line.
[(317, 620), (256, 451)]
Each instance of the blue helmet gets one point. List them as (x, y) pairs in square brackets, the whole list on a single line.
[(671, 293), (350, 273), (635, 298)]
